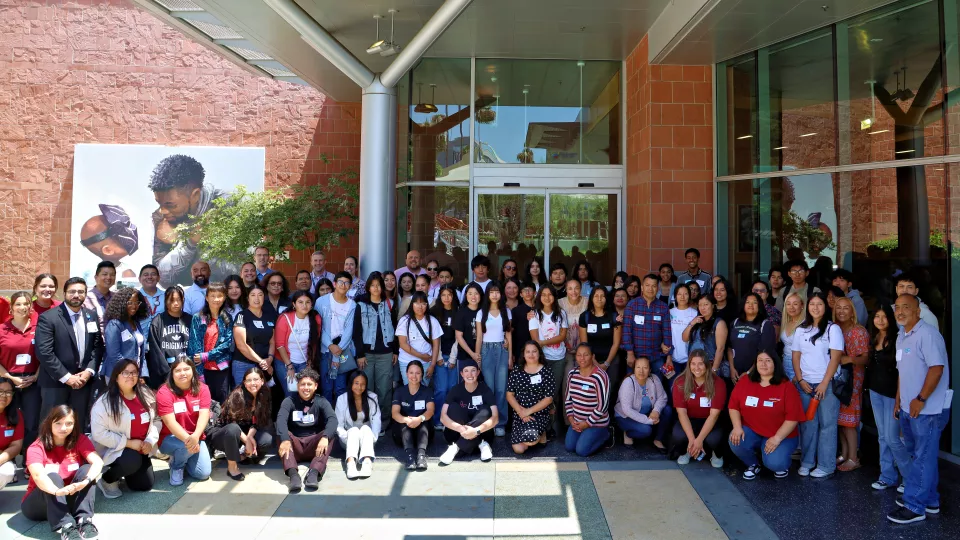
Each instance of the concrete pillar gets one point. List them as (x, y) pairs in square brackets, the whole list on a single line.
[(378, 178)]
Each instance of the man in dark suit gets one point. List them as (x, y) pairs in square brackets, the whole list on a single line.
[(69, 345)]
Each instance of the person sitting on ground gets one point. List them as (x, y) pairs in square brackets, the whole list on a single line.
[(63, 465), (469, 415), (641, 408), (183, 404), (413, 407), (125, 431), (698, 398), (306, 428), (765, 411), (586, 404), (358, 424), (243, 429), (11, 433), (530, 391)]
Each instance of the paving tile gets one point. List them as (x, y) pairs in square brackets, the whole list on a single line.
[(540, 466), (548, 503), (733, 513), (630, 515), (379, 529)]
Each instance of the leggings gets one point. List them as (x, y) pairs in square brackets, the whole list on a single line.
[(132, 465), (227, 439), (60, 511), (29, 402), (679, 439), (413, 439), (462, 416)]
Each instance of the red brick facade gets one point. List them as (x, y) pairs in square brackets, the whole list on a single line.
[(103, 71)]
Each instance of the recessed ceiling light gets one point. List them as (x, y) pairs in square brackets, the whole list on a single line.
[(903, 151), (808, 134), (740, 138), (878, 131)]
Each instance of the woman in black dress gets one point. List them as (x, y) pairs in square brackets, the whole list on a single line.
[(530, 392)]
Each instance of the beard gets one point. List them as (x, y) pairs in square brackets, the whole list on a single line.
[(201, 281), (74, 302)]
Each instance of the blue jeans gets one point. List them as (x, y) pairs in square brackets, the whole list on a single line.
[(636, 430), (494, 363), (280, 374), (921, 437), (893, 454), (818, 437), (444, 378), (197, 465), (331, 388), (237, 369), (778, 460), (586, 442)]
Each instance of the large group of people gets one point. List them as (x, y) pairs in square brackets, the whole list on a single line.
[(245, 367)]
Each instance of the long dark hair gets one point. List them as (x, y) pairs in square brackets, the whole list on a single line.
[(168, 297), (437, 310), (194, 380), (284, 292), (314, 338), (117, 307), (893, 329), (376, 277), (419, 296), (761, 310), (351, 400), (808, 319), (501, 305), (205, 312), (228, 303), (607, 301), (113, 399), (623, 279), (242, 406), (413, 288), (12, 417), (45, 436), (704, 328), (779, 375), (576, 272), (556, 316), (529, 278)]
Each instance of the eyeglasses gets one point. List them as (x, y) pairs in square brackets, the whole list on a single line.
[(343, 283), (129, 374), (75, 293), (796, 272), (5, 394), (759, 291), (275, 284)]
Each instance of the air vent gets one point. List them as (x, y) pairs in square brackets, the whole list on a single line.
[(249, 54), (278, 72), (214, 31), (179, 5)]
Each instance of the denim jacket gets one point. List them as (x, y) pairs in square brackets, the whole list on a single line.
[(117, 348), (221, 351), (368, 321), (326, 314)]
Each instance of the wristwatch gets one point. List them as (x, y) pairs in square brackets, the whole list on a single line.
[(921, 398)]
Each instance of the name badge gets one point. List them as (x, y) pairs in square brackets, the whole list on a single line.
[(477, 400), (92, 327), (179, 407), (699, 282), (258, 324), (72, 467), (196, 408), (752, 401), (584, 386), (419, 405), (308, 419), (132, 416), (741, 336), (144, 417), (23, 359), (126, 335), (638, 319), (656, 318), (899, 355), (591, 329), (768, 404), (536, 379), (8, 433), (297, 416), (605, 326), (704, 402)]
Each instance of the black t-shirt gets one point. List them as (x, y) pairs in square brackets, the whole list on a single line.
[(259, 333), (747, 339), (466, 322), (468, 402), (271, 313), (599, 333), (412, 405), (559, 293), (519, 328), (447, 320), (882, 373)]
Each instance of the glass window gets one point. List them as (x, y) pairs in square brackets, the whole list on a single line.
[(737, 116), (435, 221), (511, 226), (548, 112), (584, 227)]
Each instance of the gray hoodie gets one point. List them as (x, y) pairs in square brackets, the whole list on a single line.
[(859, 306)]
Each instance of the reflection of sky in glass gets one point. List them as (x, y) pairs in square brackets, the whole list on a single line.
[(507, 135)]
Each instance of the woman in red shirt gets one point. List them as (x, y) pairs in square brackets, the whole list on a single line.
[(19, 363), (44, 289), (183, 404), (765, 410), (11, 433), (698, 398), (63, 465)]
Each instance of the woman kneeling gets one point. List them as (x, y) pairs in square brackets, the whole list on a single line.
[(530, 394)]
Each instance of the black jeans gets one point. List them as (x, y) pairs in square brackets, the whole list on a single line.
[(78, 400), (227, 440), (29, 402), (219, 383), (39, 505), (413, 439), (678, 440), (461, 416), (132, 465)]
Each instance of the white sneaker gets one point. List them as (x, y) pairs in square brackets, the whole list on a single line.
[(447, 457), (900, 489), (352, 471), (803, 471), (683, 460), (109, 490), (627, 440), (366, 468), (820, 473), (486, 453), (716, 461), (176, 477)]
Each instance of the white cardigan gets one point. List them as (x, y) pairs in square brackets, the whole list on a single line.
[(109, 437), (344, 422)]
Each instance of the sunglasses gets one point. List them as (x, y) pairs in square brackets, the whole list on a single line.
[(431, 269)]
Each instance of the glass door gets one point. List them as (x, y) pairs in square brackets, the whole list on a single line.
[(584, 226), (510, 225)]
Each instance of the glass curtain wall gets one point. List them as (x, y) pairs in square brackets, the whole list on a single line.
[(811, 133)]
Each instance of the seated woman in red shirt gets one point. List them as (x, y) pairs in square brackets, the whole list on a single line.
[(19, 363), (63, 465), (183, 404), (765, 410), (11, 433), (698, 397)]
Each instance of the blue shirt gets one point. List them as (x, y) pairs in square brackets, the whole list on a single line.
[(702, 279), (194, 298), (261, 275), (917, 351)]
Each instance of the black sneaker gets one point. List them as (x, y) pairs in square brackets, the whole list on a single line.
[(295, 484), (88, 531), (70, 532), (313, 479), (411, 461), (421, 461), (751, 472), (904, 515), (929, 509)]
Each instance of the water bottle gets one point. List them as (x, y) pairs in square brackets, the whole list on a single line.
[(812, 409), (335, 368)]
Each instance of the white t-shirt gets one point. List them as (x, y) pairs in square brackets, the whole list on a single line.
[(416, 340), (494, 333), (814, 357), (679, 320), (340, 312), (547, 330), (299, 340)]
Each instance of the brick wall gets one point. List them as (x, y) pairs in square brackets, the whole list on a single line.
[(103, 71), (669, 163)]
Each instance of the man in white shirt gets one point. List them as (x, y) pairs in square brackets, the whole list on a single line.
[(413, 266), (318, 261), (196, 295)]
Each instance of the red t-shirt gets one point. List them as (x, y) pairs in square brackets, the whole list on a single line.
[(16, 348), (4, 310), (9, 433), (697, 404), (38, 309), (63, 462), (139, 419), (186, 409), (764, 409)]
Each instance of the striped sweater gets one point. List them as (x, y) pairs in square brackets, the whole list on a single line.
[(587, 397)]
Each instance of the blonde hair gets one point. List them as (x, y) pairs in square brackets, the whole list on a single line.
[(853, 310), (787, 323)]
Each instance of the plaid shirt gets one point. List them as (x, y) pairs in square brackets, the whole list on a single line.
[(645, 328)]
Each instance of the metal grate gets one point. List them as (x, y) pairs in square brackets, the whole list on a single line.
[(179, 5), (274, 72), (249, 54), (214, 31)]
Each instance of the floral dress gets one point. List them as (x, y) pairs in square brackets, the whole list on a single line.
[(856, 343), (529, 390)]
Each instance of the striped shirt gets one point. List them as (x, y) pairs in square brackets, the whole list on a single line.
[(587, 397)]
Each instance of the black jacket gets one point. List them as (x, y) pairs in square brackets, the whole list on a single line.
[(324, 418), (56, 346)]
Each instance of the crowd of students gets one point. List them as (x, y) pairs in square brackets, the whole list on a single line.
[(242, 367)]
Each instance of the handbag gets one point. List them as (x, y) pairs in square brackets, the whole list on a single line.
[(348, 362), (843, 384)]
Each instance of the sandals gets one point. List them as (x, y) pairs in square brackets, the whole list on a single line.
[(849, 465)]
